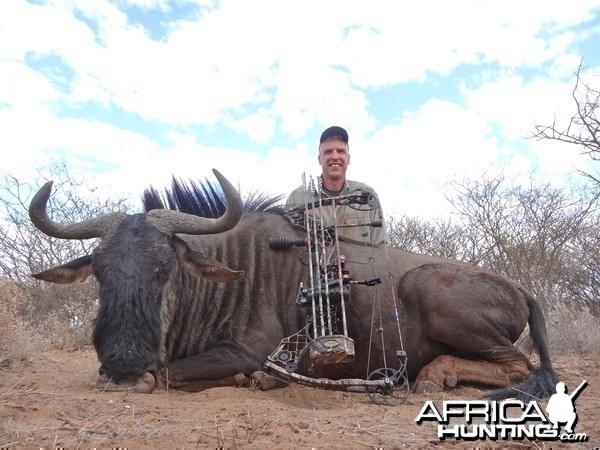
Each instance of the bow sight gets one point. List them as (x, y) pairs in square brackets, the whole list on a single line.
[(322, 354)]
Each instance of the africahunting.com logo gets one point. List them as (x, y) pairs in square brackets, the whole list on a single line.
[(510, 419)]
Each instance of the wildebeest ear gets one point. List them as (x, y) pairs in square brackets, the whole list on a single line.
[(210, 269), (203, 266), (77, 270)]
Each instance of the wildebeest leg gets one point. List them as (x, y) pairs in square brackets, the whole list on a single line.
[(238, 379), (225, 365), (448, 371), (261, 379), (471, 317)]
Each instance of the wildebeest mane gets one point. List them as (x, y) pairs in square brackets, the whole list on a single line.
[(205, 199)]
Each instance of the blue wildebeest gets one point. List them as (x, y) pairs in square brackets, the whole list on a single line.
[(194, 302)]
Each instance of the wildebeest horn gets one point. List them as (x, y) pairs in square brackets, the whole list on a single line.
[(86, 229), (174, 222)]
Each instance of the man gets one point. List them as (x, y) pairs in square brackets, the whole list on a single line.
[(361, 223)]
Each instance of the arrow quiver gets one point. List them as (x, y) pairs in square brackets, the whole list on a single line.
[(322, 354)]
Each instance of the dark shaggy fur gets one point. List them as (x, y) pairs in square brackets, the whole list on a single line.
[(127, 328), (205, 199)]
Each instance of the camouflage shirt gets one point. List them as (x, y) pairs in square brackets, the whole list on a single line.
[(354, 220)]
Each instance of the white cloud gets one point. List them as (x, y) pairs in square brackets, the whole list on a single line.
[(270, 68), (162, 5), (411, 163), (515, 105), (23, 88), (259, 126)]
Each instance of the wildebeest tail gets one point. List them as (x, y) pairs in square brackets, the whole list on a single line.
[(541, 382)]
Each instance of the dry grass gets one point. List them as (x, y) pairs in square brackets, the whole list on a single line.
[(573, 331), (35, 320), (17, 342), (84, 421)]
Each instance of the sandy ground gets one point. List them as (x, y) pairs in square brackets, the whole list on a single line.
[(50, 402)]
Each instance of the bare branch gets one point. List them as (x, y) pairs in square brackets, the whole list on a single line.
[(583, 128)]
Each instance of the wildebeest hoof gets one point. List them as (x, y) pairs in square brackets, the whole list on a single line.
[(268, 382), (143, 385), (426, 387), (450, 381)]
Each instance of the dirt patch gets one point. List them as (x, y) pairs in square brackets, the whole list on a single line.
[(51, 403)]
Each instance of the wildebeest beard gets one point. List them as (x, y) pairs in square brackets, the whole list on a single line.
[(132, 267)]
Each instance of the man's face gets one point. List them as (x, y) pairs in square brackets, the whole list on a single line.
[(334, 159)]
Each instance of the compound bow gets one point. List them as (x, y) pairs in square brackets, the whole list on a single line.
[(322, 349)]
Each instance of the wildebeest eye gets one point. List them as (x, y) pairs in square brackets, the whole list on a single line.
[(155, 269)]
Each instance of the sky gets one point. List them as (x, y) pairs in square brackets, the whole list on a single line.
[(132, 92)]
